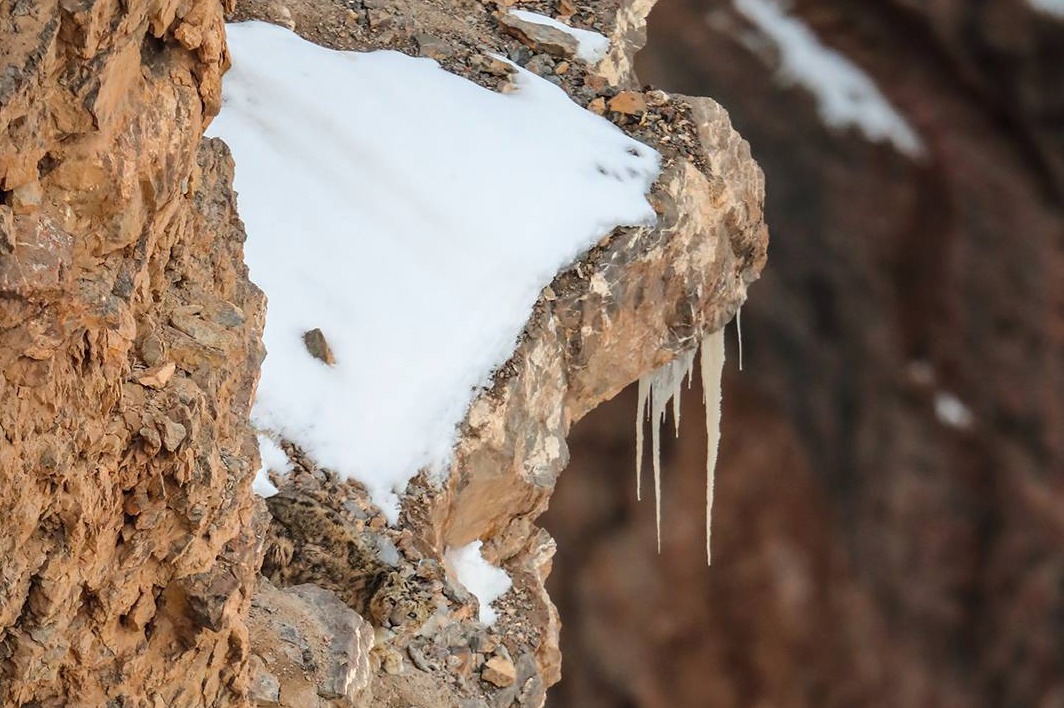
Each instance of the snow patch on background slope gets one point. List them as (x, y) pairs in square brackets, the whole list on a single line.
[(413, 217), (846, 95), (1048, 7)]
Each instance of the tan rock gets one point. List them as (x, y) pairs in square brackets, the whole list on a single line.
[(499, 671), (629, 103), (157, 376), (311, 646), (100, 149), (541, 38), (26, 198), (318, 346)]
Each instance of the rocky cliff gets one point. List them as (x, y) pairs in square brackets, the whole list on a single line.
[(128, 538), (130, 346)]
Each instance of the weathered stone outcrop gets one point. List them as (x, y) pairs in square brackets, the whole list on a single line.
[(129, 349), (641, 297)]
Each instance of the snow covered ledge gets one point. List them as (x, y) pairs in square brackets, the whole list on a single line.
[(640, 298), (635, 303)]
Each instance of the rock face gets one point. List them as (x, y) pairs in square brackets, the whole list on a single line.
[(129, 349), (126, 536), (635, 302), (871, 547)]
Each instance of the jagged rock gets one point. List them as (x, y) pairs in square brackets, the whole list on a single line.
[(311, 648), (541, 38), (130, 540), (318, 346), (125, 572), (640, 298), (499, 671)]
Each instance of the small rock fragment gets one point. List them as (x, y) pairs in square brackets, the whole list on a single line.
[(318, 346), (541, 38), (158, 376), (597, 105), (561, 68), (433, 47), (490, 65), (152, 350), (173, 434), (629, 103), (379, 19), (152, 441), (186, 320), (264, 687), (596, 83), (26, 198), (499, 671), (541, 65)]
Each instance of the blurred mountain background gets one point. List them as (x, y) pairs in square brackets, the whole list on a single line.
[(889, 526)]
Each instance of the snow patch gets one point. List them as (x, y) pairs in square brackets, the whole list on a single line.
[(952, 412), (591, 46), (846, 95), (1054, 8), (273, 458), (479, 577), (413, 217)]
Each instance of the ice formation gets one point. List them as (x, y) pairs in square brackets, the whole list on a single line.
[(712, 373), (659, 387)]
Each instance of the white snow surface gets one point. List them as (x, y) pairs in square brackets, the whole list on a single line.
[(479, 577), (1049, 7), (591, 46), (273, 458), (413, 217), (846, 95)]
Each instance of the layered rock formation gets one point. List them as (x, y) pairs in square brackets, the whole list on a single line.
[(129, 350), (126, 522), (876, 546)]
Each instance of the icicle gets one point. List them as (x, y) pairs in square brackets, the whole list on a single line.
[(640, 415), (657, 418), (712, 373), (681, 367), (739, 332), (660, 386)]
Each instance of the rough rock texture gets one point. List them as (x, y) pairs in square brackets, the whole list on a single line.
[(866, 551), (129, 350), (637, 300), (314, 648)]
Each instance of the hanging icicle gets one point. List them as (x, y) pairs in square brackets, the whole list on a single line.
[(659, 387), (712, 375)]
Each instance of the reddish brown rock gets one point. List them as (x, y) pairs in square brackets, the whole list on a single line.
[(126, 536)]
